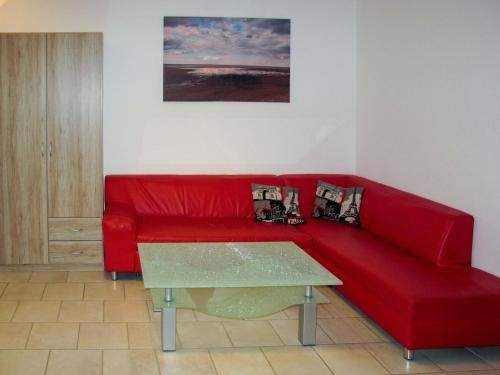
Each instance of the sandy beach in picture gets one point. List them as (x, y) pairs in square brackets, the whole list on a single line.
[(226, 59)]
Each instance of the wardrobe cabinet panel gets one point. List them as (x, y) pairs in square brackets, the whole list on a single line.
[(75, 229), (23, 177), (74, 125)]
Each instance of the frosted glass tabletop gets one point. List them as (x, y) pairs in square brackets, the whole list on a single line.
[(226, 265)]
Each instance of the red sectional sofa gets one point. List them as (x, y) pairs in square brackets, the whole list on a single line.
[(408, 266)]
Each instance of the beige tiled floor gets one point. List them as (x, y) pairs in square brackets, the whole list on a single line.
[(63, 292), (83, 323), (37, 311)]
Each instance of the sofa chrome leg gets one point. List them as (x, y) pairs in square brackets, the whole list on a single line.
[(408, 354), (114, 276)]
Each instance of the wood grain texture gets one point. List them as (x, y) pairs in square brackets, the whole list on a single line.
[(75, 229), (74, 124), (75, 252), (53, 267), (23, 187)]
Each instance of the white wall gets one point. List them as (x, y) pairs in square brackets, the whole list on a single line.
[(142, 134), (428, 101), (428, 107)]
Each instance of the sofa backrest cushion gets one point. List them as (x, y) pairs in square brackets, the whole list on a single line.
[(187, 195), (307, 188), (430, 230)]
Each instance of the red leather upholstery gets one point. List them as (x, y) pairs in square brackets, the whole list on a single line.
[(415, 333), (431, 231), (407, 266), (119, 227), (378, 264), (154, 229), (186, 195)]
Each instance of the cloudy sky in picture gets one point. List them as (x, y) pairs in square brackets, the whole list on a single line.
[(226, 41)]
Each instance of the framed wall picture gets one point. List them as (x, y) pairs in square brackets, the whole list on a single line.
[(226, 59)]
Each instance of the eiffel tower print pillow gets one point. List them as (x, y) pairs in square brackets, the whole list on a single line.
[(272, 205), (338, 203)]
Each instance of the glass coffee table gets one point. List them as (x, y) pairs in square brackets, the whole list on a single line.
[(233, 280)]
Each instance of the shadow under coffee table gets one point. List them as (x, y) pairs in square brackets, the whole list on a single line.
[(233, 280)]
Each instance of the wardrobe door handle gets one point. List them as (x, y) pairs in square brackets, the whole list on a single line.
[(76, 253), (77, 230), (50, 149), (43, 150)]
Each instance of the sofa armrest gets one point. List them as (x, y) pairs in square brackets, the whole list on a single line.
[(119, 226)]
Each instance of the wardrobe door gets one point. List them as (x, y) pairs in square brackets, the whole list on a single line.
[(23, 177), (74, 124)]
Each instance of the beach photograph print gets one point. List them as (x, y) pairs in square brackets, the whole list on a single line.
[(226, 59)]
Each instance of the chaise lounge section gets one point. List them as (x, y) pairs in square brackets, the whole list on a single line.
[(408, 266)]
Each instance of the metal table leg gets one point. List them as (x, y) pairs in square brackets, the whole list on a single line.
[(168, 320), (168, 329), (307, 320)]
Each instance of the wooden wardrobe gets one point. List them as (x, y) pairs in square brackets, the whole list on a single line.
[(51, 181)]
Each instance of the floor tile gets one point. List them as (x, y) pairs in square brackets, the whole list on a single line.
[(194, 335), (245, 333), (104, 291), (75, 362), (23, 291), (276, 316), (185, 315), (486, 372), (63, 292), (349, 359), (293, 312), (48, 277), (288, 331), (147, 336), (135, 291), (384, 336), (348, 331), (37, 311), (103, 336), (340, 308), (241, 361), (155, 316), (125, 311), (210, 318), (129, 362), (88, 276), (295, 361), (490, 354), (185, 362), (14, 277), (14, 335), (456, 360), (81, 311), (390, 356), (329, 292), (23, 362), (53, 336), (7, 309), (144, 335)]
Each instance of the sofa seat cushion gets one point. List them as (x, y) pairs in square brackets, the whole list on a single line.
[(161, 229), (421, 290)]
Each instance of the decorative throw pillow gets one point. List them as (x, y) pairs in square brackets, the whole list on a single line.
[(291, 203), (270, 206), (337, 203)]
